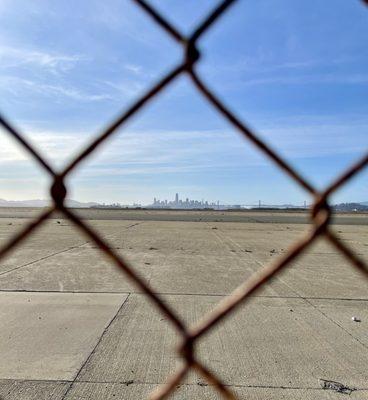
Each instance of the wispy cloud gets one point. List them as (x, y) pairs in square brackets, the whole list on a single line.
[(262, 63), (17, 86), (136, 69), (126, 87), (352, 79), (11, 57), (55, 145), (154, 152), (262, 70), (73, 93)]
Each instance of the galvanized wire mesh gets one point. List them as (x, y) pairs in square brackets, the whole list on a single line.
[(320, 212)]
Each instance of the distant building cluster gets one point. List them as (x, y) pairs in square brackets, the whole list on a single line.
[(189, 204), (186, 204)]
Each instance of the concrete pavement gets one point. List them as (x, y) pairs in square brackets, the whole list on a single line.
[(73, 327)]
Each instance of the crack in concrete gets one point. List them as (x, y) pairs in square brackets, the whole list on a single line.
[(42, 258), (95, 347), (62, 251), (179, 294)]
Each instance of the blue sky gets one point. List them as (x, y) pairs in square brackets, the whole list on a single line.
[(295, 71)]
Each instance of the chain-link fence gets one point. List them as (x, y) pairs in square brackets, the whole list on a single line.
[(320, 212)]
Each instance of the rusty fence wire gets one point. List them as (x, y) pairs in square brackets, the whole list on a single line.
[(320, 212)]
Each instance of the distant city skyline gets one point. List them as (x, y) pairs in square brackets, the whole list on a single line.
[(187, 203), (190, 204)]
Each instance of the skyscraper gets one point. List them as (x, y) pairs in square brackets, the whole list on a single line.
[(176, 198)]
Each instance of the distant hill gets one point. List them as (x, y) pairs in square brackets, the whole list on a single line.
[(43, 203)]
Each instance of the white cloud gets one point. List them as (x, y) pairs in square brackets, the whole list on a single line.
[(71, 92), (127, 87), (54, 145), (263, 71), (155, 152), (317, 141), (136, 69), (309, 79), (16, 86), (11, 57)]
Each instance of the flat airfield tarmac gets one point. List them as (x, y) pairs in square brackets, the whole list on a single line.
[(74, 327)]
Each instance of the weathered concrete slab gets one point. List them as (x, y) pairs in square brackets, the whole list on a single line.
[(342, 312), (270, 342), (266, 351), (86, 270), (175, 257), (78, 270), (32, 390), (52, 238), (167, 237), (260, 239), (320, 272), (106, 391), (49, 336), (325, 276), (210, 275), (263, 238)]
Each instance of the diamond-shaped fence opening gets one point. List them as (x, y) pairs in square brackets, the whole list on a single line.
[(320, 215)]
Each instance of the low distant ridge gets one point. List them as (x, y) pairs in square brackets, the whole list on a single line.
[(43, 203)]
